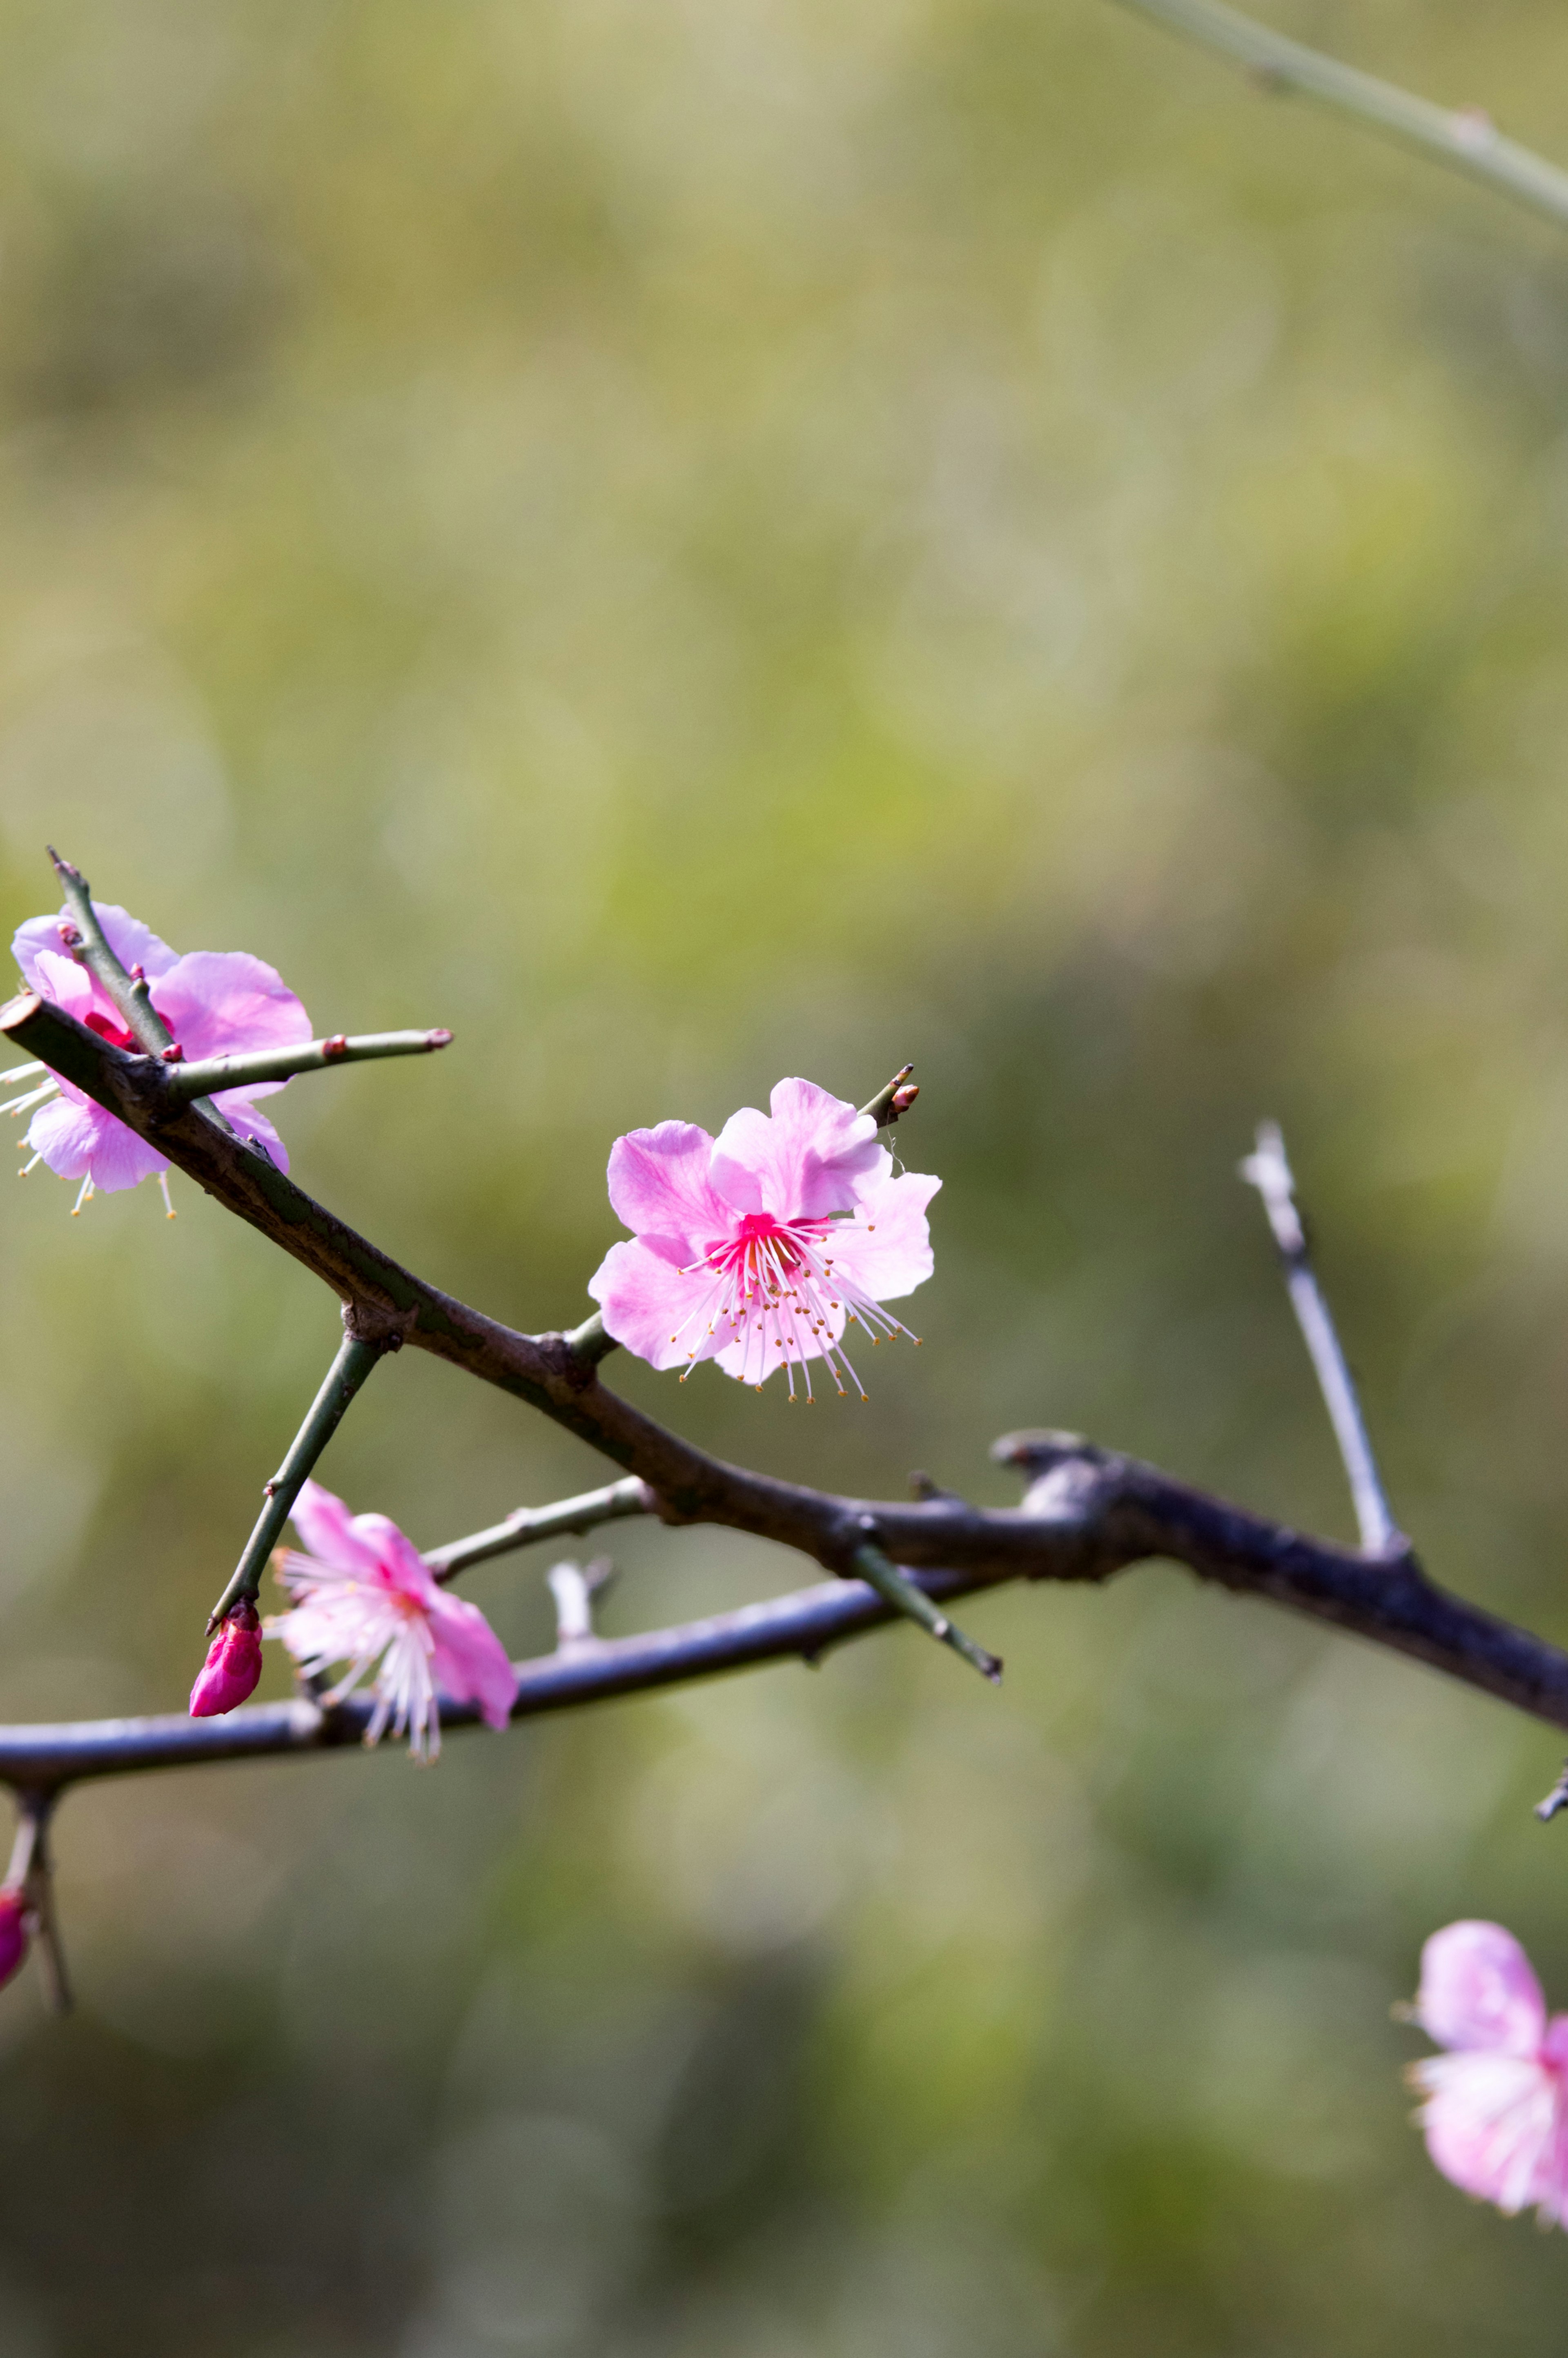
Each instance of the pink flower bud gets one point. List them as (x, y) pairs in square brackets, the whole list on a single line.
[(12, 1932), (233, 1665), (904, 1097)]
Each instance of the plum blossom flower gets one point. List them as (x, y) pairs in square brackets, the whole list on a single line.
[(363, 1594), (757, 1249), (14, 1913), (1496, 2115), (214, 1002), (232, 1666)]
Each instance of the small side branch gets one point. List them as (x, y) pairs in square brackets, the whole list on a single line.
[(91, 948), (348, 1371), (31, 1872), (894, 1097), (1267, 1170), (210, 1073), (584, 1513), (576, 1587), (1464, 138), (878, 1570)]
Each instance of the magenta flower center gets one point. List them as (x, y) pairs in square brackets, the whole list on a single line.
[(774, 1293)]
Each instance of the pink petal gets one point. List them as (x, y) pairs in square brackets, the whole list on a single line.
[(649, 1306), (659, 1185), (219, 1002), (79, 1141), (813, 1155), (1491, 2125), (469, 1662), (1477, 1990), (402, 1567), (886, 1251), (13, 1931), (133, 943), (332, 1534), (71, 985)]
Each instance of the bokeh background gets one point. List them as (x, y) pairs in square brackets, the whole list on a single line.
[(696, 543)]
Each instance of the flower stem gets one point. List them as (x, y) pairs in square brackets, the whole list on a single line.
[(631, 1496), (348, 1371), (211, 1073), (880, 1108), (868, 1563), (1465, 138)]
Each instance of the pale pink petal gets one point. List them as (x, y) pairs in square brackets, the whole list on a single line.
[(1477, 1990), (402, 1566), (649, 1306), (220, 1003), (659, 1185), (71, 985), (811, 1156), (252, 1126), (133, 943), (470, 1661), (330, 1533), (79, 1141), (1491, 2124), (886, 1251)]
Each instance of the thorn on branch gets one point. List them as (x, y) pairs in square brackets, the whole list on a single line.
[(870, 1562)]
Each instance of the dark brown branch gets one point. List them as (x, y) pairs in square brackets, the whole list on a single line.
[(1087, 1514)]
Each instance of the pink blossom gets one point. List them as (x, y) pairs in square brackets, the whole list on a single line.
[(13, 1931), (364, 1593), (757, 1248), (214, 1002), (1496, 2115), (232, 1666)]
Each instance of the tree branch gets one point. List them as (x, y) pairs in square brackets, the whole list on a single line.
[(1465, 139), (210, 1073), (1267, 1170), (530, 1523)]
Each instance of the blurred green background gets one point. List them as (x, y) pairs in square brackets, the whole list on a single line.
[(698, 543)]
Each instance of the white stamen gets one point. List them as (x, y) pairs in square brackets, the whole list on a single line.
[(87, 1192), (31, 1098), (32, 1165), (162, 1184), (19, 1073)]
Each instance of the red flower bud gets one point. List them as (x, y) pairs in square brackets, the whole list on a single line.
[(12, 1932), (233, 1665)]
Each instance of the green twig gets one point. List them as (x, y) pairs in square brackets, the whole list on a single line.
[(869, 1562), (896, 1097), (210, 1073), (92, 950), (1464, 138), (631, 1496), (349, 1369)]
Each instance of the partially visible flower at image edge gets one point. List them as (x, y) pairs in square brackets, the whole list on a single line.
[(363, 1596), (13, 1912), (757, 1249), (1496, 2115), (214, 1002)]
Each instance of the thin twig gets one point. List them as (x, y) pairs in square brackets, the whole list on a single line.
[(1464, 138), (91, 948), (528, 1524), (348, 1371), (1267, 1170), (210, 1073), (575, 1587), (895, 1096), (31, 1871), (906, 1597)]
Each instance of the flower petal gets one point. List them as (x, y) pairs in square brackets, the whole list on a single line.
[(649, 1306), (68, 985), (659, 1185), (332, 1534), (811, 1156), (470, 1661), (219, 1002), (399, 1564), (1491, 2125), (133, 943), (255, 1128), (886, 1251), (79, 1141), (1477, 1990)]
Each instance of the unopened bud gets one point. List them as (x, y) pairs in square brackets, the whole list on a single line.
[(13, 1931), (337, 1045), (173, 1055), (904, 1097), (233, 1665)]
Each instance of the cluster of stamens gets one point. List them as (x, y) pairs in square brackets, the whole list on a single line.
[(774, 1293)]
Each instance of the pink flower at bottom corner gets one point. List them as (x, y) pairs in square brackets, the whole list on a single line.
[(364, 1596), (213, 1002), (13, 1912), (234, 1665), (759, 1248), (1496, 2115)]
